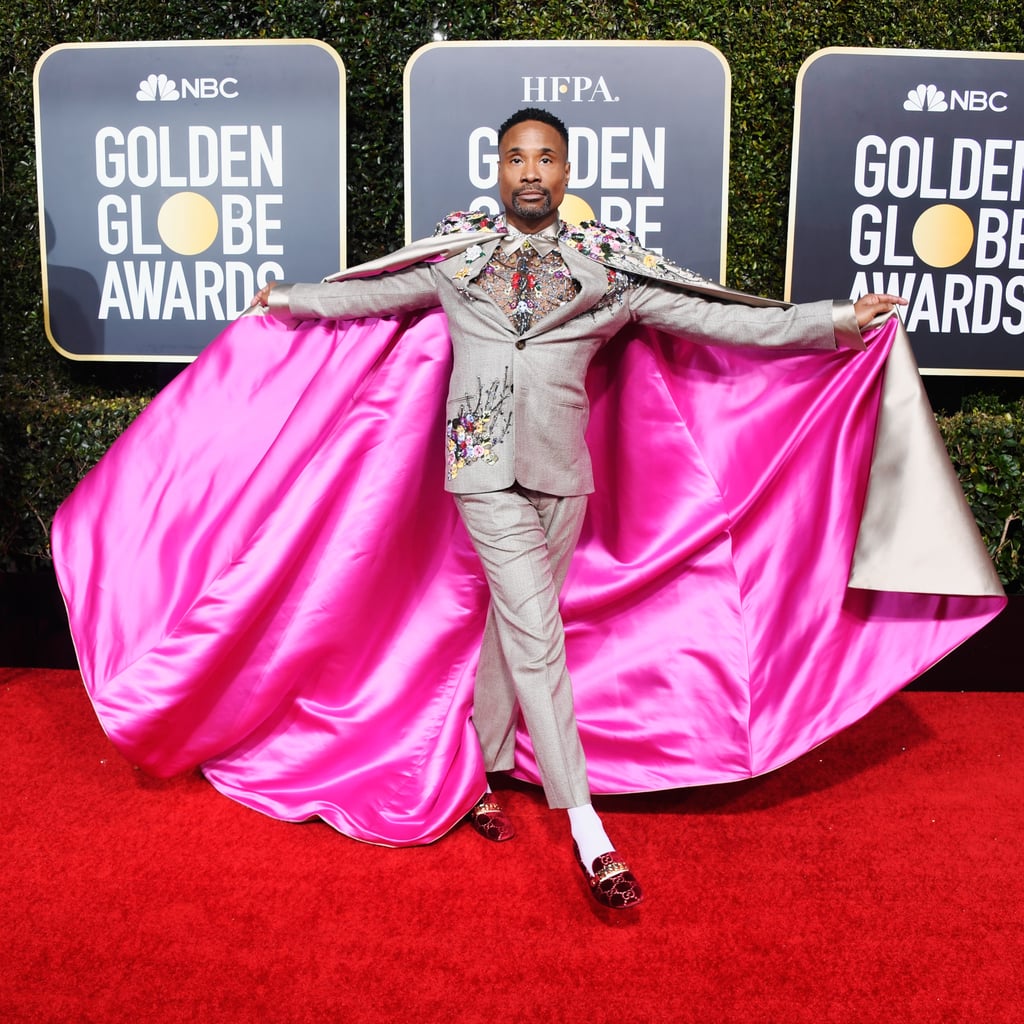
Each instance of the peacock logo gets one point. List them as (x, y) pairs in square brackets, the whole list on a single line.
[(157, 87), (926, 98)]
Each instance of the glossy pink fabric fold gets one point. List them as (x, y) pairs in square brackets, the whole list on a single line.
[(265, 577)]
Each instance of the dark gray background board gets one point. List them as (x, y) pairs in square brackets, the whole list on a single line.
[(162, 303), (614, 98), (965, 317)]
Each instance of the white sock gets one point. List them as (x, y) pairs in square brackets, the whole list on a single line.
[(589, 834)]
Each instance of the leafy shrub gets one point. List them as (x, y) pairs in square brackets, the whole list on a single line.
[(46, 447), (986, 443)]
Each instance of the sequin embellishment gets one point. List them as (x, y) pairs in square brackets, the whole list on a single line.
[(479, 426), (526, 285)]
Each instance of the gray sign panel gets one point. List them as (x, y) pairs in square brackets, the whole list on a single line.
[(175, 179), (648, 126), (908, 178)]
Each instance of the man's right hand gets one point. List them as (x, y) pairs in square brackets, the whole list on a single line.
[(262, 297)]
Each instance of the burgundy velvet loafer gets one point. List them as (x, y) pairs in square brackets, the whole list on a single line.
[(612, 884), (491, 821)]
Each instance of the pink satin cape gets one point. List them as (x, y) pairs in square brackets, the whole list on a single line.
[(265, 578)]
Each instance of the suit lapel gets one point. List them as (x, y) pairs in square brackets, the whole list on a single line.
[(463, 269)]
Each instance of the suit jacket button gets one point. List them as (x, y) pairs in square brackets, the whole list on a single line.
[(520, 343)]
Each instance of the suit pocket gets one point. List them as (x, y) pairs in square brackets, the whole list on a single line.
[(556, 432)]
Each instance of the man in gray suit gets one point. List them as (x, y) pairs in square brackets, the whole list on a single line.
[(529, 301)]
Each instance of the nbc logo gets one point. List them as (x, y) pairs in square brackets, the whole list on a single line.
[(157, 87), (931, 99), (160, 87)]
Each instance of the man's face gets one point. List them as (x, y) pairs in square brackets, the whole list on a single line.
[(533, 172)]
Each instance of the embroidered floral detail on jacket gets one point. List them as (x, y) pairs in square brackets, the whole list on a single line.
[(480, 425), (472, 220), (471, 255), (617, 248), (598, 241), (618, 284), (620, 249)]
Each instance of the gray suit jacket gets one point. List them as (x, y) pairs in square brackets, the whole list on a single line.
[(517, 407)]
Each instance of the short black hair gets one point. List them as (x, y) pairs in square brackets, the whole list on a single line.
[(535, 114)]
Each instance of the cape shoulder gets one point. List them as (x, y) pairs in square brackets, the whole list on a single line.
[(616, 248)]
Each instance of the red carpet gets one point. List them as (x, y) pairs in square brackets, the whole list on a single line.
[(878, 879)]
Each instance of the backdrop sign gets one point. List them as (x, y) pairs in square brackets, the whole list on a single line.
[(175, 179), (908, 175), (648, 135)]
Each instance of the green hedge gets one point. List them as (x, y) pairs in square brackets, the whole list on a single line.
[(46, 447), (58, 416), (986, 443)]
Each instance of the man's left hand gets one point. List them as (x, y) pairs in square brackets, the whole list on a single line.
[(867, 307)]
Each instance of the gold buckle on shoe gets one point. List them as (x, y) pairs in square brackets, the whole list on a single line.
[(616, 867), (486, 808)]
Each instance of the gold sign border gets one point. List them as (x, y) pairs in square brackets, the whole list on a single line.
[(587, 44), (342, 184), (883, 52)]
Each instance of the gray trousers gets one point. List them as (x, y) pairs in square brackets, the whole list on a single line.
[(525, 541)]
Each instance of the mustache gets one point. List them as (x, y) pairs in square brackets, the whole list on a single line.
[(531, 188)]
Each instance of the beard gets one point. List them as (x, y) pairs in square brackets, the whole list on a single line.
[(534, 211)]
